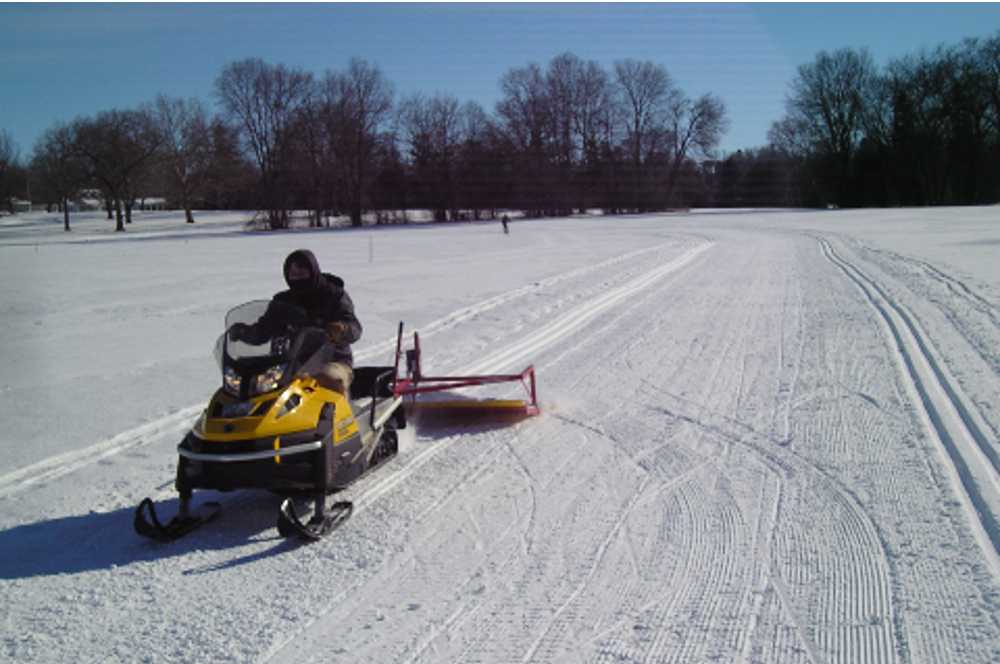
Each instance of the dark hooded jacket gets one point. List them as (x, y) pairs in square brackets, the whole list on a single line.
[(325, 301)]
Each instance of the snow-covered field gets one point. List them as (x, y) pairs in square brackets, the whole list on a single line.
[(766, 437)]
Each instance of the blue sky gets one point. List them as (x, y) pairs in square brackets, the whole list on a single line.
[(61, 61)]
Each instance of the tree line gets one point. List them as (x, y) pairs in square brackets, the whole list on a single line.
[(922, 130), (563, 138)]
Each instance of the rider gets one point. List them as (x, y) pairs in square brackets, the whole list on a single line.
[(327, 305)]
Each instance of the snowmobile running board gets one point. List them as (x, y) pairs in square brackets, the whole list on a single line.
[(415, 383)]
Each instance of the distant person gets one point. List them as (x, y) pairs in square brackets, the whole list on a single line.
[(327, 305), (504, 220)]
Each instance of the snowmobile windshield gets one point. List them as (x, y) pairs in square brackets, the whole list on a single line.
[(265, 345)]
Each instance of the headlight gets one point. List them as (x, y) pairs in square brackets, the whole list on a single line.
[(231, 381), (269, 380)]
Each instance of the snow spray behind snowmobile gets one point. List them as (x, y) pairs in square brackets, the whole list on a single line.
[(273, 426)]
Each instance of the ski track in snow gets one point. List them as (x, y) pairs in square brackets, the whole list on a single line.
[(573, 320), (678, 500), (174, 424), (948, 416), (973, 316), (956, 287)]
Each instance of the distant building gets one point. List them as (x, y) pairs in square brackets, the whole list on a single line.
[(152, 203), (88, 200), (85, 204), (92, 199)]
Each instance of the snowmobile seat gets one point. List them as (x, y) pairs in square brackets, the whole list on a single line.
[(372, 381)]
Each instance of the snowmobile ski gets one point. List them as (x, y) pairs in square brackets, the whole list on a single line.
[(149, 525), (290, 525)]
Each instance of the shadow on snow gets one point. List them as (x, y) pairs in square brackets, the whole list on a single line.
[(106, 540)]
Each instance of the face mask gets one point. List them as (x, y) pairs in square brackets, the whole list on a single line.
[(299, 284)]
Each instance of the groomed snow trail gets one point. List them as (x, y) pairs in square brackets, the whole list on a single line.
[(970, 457), (752, 449)]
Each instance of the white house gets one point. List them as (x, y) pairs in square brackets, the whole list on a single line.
[(152, 203)]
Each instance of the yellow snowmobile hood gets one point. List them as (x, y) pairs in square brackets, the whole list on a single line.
[(293, 409)]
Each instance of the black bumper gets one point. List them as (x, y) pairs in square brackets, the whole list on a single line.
[(220, 466)]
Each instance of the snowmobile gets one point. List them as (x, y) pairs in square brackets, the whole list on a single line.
[(272, 426)]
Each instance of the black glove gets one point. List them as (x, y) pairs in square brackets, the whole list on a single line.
[(238, 331)]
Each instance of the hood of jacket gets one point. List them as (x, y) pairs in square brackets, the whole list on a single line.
[(307, 258)]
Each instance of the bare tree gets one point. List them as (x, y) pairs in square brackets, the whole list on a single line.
[(923, 116), (990, 58), (313, 154), (695, 129), (563, 79), (523, 114), (230, 178), (645, 92), (877, 110), (523, 110), (593, 107), (482, 182), (971, 95), (989, 54), (8, 162), (827, 103), (432, 129), (790, 136), (360, 103), (57, 165), (187, 147), (117, 148), (138, 153), (263, 100)]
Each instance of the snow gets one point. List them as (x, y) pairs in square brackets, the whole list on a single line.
[(767, 436)]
